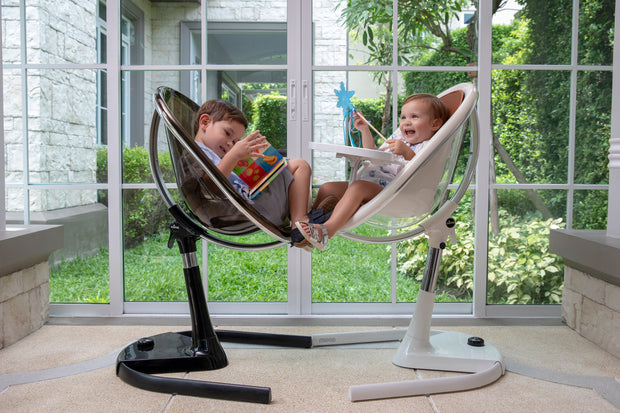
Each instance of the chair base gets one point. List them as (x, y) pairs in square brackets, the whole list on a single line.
[(447, 351), (423, 348), (173, 352)]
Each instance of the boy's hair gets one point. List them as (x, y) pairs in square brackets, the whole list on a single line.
[(437, 106), (219, 110)]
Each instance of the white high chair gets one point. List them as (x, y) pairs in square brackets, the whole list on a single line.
[(415, 203)]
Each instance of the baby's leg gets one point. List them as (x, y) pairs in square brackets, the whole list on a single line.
[(299, 189), (337, 189), (357, 194)]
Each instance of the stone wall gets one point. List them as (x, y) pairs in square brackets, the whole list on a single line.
[(61, 124), (591, 306), (24, 278), (24, 302)]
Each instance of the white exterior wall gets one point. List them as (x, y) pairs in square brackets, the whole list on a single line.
[(61, 103), (330, 48)]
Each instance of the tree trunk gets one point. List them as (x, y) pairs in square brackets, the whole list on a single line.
[(503, 153), (386, 117)]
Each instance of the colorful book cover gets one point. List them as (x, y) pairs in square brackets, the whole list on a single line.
[(259, 172)]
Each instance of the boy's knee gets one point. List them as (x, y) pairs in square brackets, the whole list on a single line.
[(299, 164)]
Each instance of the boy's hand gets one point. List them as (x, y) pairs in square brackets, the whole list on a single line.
[(398, 147), (249, 146)]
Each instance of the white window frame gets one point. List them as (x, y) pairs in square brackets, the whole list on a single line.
[(299, 67)]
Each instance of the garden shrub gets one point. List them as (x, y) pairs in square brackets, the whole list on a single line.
[(269, 115), (373, 111), (521, 270), (144, 212)]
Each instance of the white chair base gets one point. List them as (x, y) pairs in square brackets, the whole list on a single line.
[(423, 348)]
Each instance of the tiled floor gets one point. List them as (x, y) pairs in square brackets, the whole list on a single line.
[(72, 369)]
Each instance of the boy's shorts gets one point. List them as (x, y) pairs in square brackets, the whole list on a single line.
[(272, 202)]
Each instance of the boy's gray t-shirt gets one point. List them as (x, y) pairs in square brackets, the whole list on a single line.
[(272, 202)]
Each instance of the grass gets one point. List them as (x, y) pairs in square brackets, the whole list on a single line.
[(346, 272)]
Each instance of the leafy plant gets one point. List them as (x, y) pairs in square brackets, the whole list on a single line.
[(269, 114), (144, 213), (521, 270)]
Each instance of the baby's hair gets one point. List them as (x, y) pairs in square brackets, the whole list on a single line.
[(219, 110), (437, 106)]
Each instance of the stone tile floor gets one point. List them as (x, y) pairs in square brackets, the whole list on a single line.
[(72, 369)]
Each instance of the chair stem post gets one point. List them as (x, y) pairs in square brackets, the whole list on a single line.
[(431, 270), (204, 339)]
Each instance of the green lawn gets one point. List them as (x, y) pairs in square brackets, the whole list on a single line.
[(346, 272)]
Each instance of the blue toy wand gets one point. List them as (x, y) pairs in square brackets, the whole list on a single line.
[(348, 110), (344, 102)]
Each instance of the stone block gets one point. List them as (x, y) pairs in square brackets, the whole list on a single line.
[(571, 307), (1, 326), (39, 306), (590, 287), (43, 273), (612, 297), (600, 325), (568, 277), (16, 319), (29, 278), (11, 285)]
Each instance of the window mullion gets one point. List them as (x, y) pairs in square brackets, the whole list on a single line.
[(613, 219), (115, 189), (485, 153)]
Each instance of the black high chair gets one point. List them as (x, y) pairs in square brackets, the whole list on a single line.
[(208, 205)]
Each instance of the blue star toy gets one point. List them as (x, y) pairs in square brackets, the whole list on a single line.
[(344, 102)]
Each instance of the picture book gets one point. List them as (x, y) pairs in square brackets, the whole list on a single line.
[(259, 172)]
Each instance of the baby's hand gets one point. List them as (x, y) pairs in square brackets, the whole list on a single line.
[(398, 147), (359, 121)]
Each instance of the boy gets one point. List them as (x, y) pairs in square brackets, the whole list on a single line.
[(422, 115), (219, 127)]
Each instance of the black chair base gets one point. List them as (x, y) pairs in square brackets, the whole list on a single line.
[(173, 352)]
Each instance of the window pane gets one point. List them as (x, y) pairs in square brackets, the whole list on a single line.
[(547, 32), (61, 32), (510, 35), (593, 125), (246, 43), (330, 125), (247, 276), (530, 125), (596, 32), (136, 116), (521, 270), (13, 127), (256, 36), (330, 36), (590, 209), (11, 38), (14, 205), (135, 38), (441, 34), (153, 272), (455, 280), (364, 276), (79, 271), (62, 133)]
